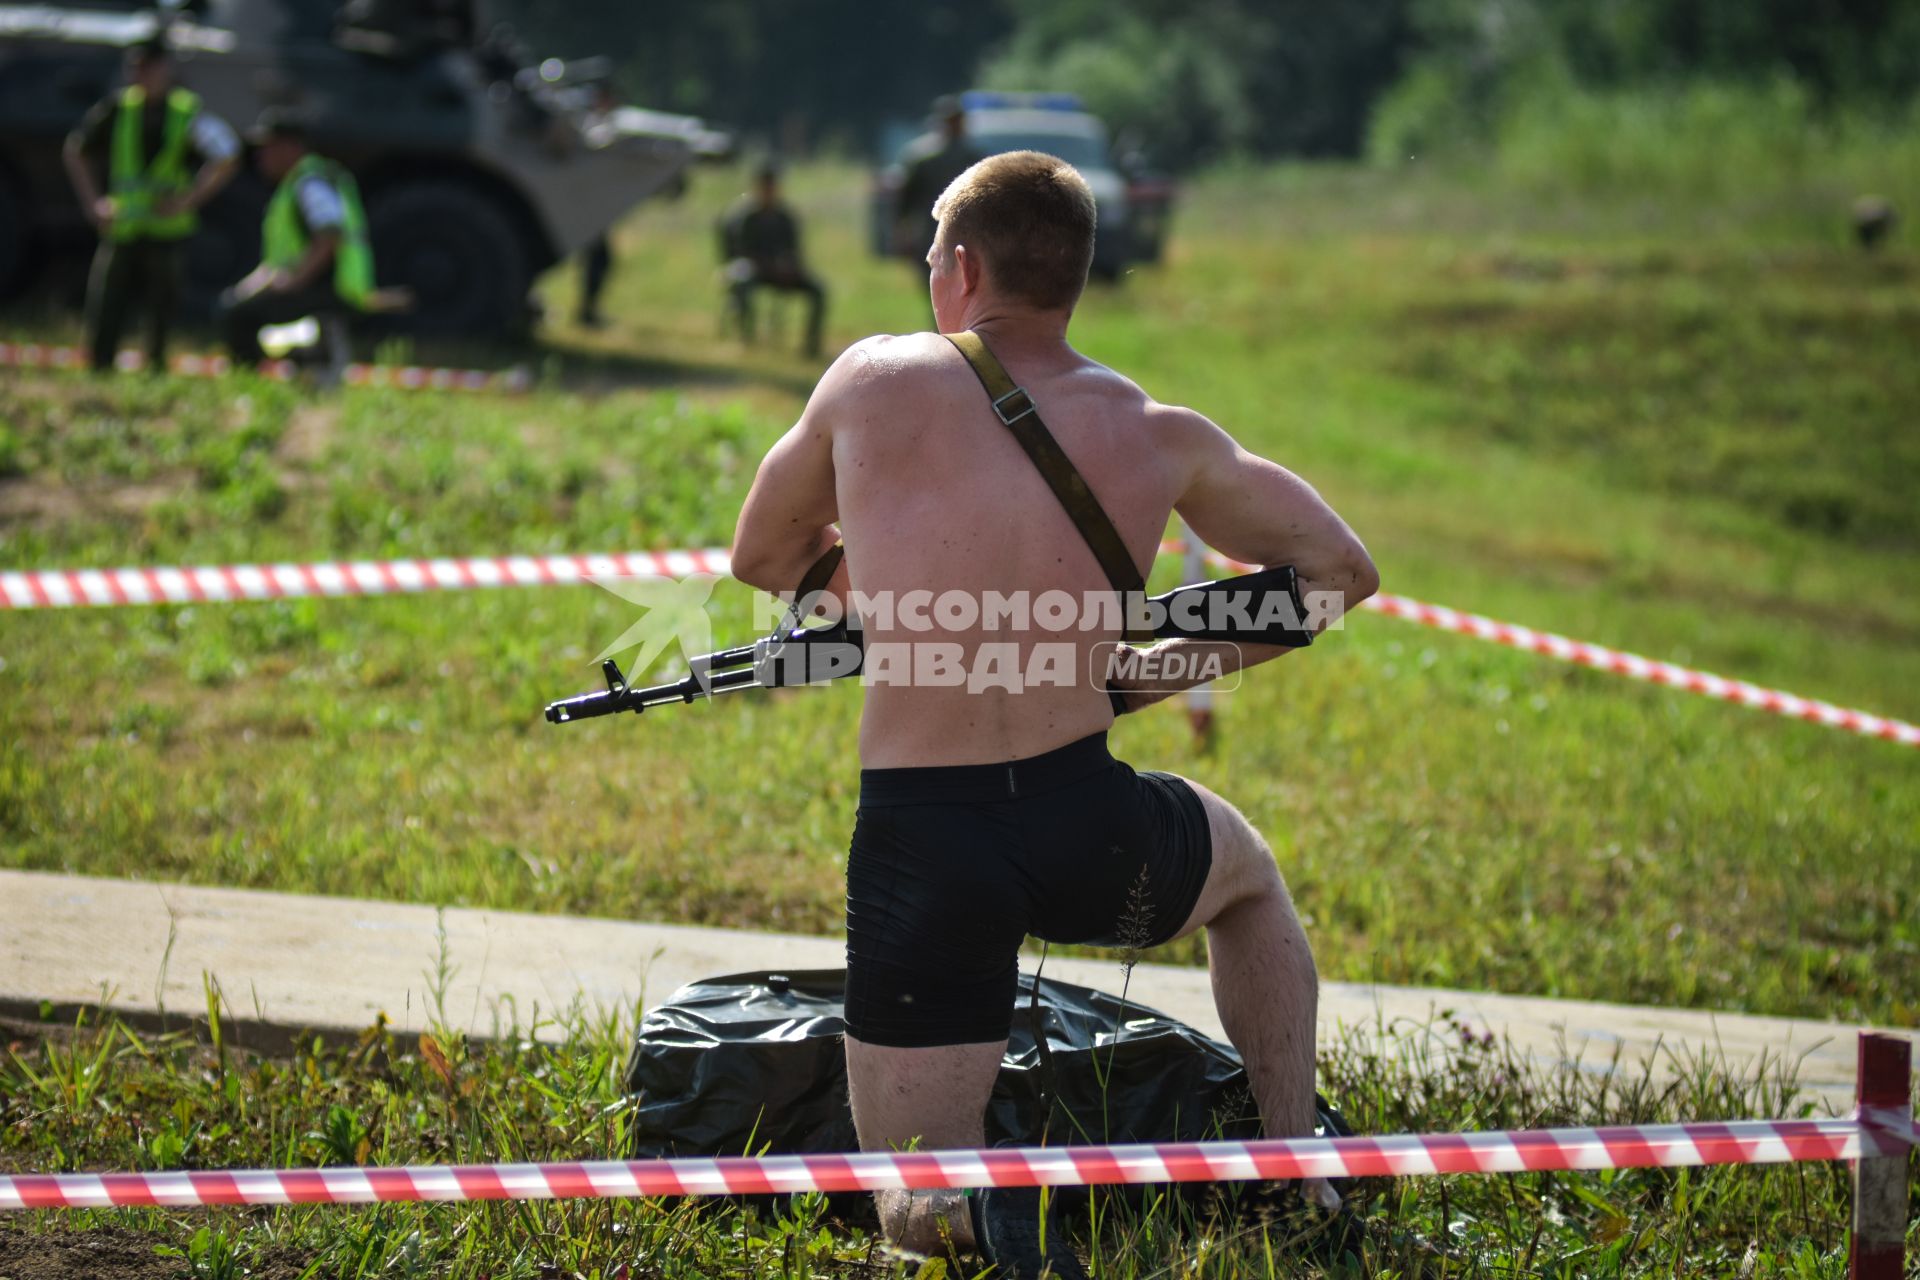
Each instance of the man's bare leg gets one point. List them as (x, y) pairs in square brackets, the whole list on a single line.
[(938, 1096), (1264, 983), (1264, 986)]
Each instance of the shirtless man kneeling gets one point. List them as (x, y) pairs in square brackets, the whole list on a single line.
[(990, 813)]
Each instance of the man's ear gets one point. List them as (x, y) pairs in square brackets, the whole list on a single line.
[(969, 266)]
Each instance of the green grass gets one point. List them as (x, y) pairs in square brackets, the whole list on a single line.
[(1653, 424), (100, 1095), (1699, 450)]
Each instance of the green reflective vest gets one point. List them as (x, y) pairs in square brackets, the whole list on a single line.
[(136, 183), (284, 240)]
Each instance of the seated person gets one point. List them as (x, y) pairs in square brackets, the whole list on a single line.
[(760, 242), (316, 260)]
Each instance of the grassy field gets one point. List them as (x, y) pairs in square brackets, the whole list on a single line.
[(103, 1096), (1684, 432), (1698, 450)]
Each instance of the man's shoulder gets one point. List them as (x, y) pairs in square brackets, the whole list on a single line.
[(205, 116), (885, 366), (1168, 426), (884, 356), (319, 198), (1094, 378)]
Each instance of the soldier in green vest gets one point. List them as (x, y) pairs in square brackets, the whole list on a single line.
[(163, 156), (315, 258)]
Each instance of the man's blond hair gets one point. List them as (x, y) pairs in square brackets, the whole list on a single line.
[(1031, 218)]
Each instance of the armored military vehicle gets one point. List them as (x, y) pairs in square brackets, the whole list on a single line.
[(480, 165)]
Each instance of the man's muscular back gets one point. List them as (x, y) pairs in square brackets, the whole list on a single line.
[(935, 495), (932, 494), (900, 454)]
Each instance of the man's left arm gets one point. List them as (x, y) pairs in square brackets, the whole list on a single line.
[(787, 523), (219, 150)]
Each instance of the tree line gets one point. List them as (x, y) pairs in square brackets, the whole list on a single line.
[(1187, 83)]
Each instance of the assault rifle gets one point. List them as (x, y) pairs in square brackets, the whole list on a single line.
[(1254, 608)]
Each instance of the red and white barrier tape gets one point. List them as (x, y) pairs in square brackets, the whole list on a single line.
[(1639, 1146), (1622, 663), (70, 588), (1635, 667), (413, 377)]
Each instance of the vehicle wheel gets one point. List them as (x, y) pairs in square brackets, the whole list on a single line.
[(16, 239), (457, 252)]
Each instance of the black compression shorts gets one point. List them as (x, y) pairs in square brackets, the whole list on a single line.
[(952, 867)]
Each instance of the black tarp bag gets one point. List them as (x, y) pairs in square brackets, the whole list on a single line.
[(753, 1063)]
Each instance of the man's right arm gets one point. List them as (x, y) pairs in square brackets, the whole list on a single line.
[(86, 138)]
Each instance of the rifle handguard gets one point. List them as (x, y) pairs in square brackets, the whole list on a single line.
[(1268, 601)]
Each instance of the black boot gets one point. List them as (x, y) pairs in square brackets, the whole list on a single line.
[(1006, 1234)]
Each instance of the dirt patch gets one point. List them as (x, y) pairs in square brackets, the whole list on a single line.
[(114, 1253), (25, 499), (66, 1254), (303, 443), (309, 430), (56, 502)]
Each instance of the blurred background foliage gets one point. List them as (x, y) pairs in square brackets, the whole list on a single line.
[(1606, 86), (803, 75)]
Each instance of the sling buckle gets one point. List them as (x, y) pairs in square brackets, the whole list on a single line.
[(1024, 402)]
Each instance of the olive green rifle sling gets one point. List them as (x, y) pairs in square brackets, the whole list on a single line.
[(1021, 416), (1018, 413)]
